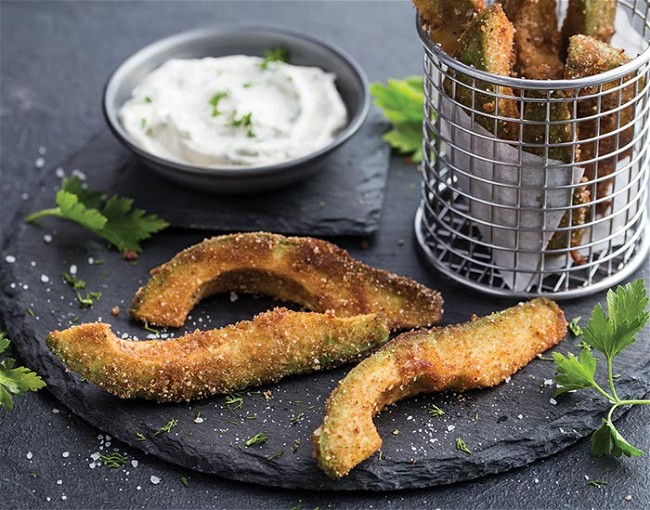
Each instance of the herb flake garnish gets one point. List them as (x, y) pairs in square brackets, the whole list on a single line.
[(113, 219), (574, 327), (259, 438), (185, 481), (140, 436), (214, 102), (279, 54), (114, 460), (14, 380), (434, 410), (609, 334), (401, 101), (244, 121), (462, 446), (596, 483), (165, 429), (234, 402)]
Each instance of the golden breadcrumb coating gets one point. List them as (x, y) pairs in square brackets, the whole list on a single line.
[(273, 345), (446, 19), (595, 18), (477, 354), (313, 273)]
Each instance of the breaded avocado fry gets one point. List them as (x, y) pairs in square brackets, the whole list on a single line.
[(537, 38), (594, 18), (446, 19), (273, 345), (487, 45), (313, 273), (587, 57), (478, 354)]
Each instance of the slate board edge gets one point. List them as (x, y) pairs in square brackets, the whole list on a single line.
[(166, 448)]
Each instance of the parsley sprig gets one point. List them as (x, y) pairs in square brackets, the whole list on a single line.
[(112, 218), (14, 381), (609, 334), (401, 101), (280, 54)]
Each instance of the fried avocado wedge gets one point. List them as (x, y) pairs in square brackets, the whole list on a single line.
[(594, 18), (273, 345), (486, 45), (477, 354), (313, 273), (587, 57), (537, 38), (446, 19)]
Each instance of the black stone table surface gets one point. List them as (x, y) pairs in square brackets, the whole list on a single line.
[(55, 57)]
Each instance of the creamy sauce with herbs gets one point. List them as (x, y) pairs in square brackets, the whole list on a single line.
[(236, 111)]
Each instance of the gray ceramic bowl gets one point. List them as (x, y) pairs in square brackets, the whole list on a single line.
[(248, 40)]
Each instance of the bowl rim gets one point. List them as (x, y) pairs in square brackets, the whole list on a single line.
[(355, 121)]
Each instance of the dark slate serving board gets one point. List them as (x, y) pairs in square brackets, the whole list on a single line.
[(505, 427), (343, 199)]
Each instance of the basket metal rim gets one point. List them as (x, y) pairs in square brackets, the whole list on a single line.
[(524, 83), (630, 268)]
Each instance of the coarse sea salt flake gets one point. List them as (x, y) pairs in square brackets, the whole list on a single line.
[(95, 456), (65, 455), (553, 401), (73, 269), (47, 238), (10, 259), (39, 163), (30, 455), (45, 278), (155, 480), (134, 463)]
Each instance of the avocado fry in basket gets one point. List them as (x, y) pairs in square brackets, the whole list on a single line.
[(589, 17), (587, 57), (486, 45), (537, 38), (446, 19)]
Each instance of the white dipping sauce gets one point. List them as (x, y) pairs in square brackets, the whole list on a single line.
[(231, 112)]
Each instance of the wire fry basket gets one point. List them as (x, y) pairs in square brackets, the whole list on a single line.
[(542, 204)]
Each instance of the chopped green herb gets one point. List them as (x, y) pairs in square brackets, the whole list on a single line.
[(259, 438), (245, 121), (147, 99), (185, 481), (89, 300), (247, 85), (140, 437), (298, 417), (295, 445), (544, 358), (298, 506), (380, 455), (14, 380), (151, 330), (574, 327), (31, 312), (597, 483), (462, 446), (234, 401), (166, 428), (113, 219), (214, 102), (114, 460), (396, 432), (275, 455), (97, 262), (280, 54), (143, 123), (401, 101), (74, 282), (250, 417), (610, 335), (434, 410)]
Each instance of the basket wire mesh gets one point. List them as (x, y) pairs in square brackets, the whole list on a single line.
[(520, 215)]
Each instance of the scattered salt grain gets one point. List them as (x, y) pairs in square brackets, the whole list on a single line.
[(155, 480), (39, 163), (95, 456), (25, 196), (507, 380), (30, 455), (553, 401), (233, 297), (59, 482), (55, 411), (198, 419), (64, 497), (65, 455), (73, 269), (47, 238), (78, 173), (548, 382), (60, 173), (92, 465), (42, 150), (10, 259), (521, 416), (451, 427), (138, 488), (134, 463), (44, 278)]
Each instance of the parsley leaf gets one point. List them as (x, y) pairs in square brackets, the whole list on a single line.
[(113, 219), (14, 381), (401, 101), (214, 102), (280, 54), (610, 333)]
